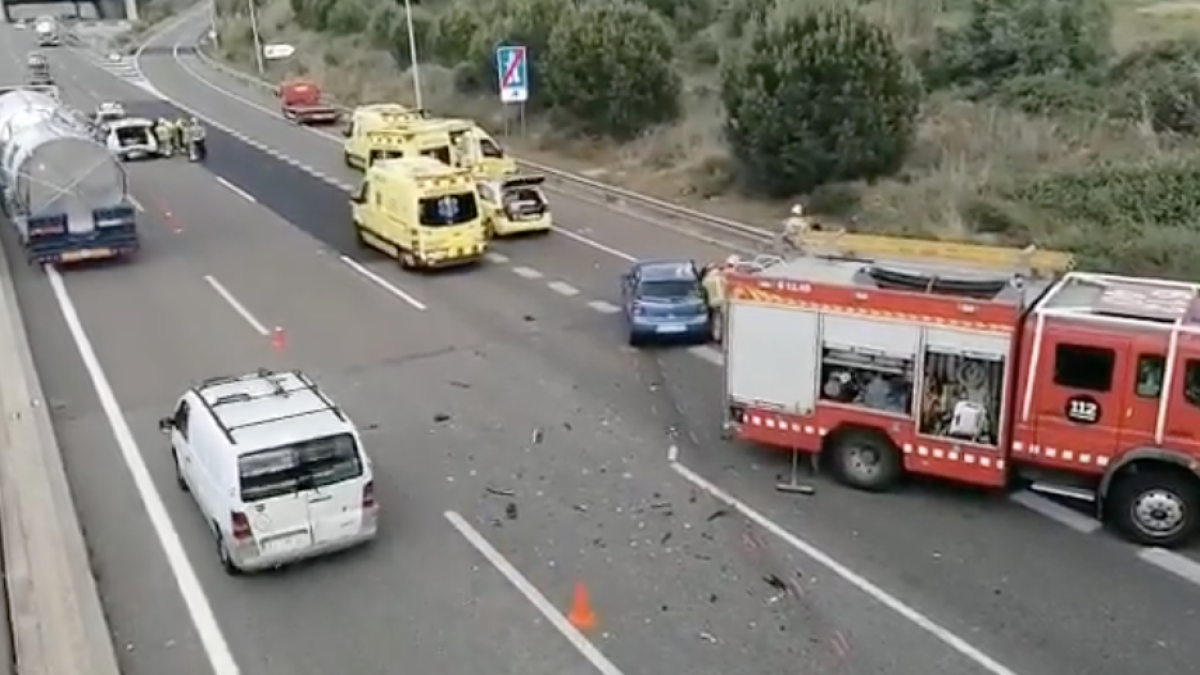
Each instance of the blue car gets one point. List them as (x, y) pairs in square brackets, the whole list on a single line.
[(664, 302)]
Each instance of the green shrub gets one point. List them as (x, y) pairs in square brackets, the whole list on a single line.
[(454, 33), (1158, 83), (609, 66), (518, 22), (347, 17), (1006, 39), (818, 98)]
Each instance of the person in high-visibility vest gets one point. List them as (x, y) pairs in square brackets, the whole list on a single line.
[(713, 282), (165, 136)]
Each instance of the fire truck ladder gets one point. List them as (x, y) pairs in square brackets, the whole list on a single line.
[(1028, 262)]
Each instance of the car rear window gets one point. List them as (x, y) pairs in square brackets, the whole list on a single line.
[(669, 289), (316, 463)]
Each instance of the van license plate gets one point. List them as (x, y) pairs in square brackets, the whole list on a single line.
[(86, 254), (285, 544), (672, 328)]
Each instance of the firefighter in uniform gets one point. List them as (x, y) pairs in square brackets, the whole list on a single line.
[(195, 133), (180, 128), (713, 281), (165, 136)]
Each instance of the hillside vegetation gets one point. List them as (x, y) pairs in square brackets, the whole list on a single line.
[(1068, 123)]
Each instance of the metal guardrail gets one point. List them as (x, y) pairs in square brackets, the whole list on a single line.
[(610, 192)]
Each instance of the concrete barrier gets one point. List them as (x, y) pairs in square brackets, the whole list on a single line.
[(56, 622)]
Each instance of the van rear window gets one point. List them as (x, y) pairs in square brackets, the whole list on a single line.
[(449, 210), (312, 464)]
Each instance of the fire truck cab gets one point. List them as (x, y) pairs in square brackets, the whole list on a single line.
[(981, 365)]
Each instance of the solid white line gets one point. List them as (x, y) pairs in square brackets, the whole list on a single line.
[(527, 272), (673, 454), (604, 248), (604, 307), (498, 258), (907, 612), (236, 190), (1055, 511), (211, 638), (236, 305), (578, 640), (1170, 561), (709, 354), (383, 283), (563, 288)]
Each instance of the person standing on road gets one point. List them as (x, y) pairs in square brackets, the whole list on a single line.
[(166, 139)]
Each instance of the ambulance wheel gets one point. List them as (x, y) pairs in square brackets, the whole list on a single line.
[(346, 158), (1155, 507), (864, 459), (358, 236), (179, 480), (408, 261)]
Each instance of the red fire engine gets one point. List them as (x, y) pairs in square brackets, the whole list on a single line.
[(980, 365)]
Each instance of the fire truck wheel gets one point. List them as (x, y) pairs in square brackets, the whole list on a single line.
[(1156, 508), (865, 460)]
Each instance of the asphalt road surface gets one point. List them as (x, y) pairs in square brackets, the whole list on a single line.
[(505, 394)]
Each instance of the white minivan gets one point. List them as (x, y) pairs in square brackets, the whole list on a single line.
[(277, 469)]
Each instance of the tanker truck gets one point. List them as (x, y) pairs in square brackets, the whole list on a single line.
[(66, 194)]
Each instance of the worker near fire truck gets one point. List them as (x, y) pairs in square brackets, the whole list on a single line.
[(713, 281), (165, 135)]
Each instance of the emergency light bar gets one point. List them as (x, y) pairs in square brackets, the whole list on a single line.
[(842, 244)]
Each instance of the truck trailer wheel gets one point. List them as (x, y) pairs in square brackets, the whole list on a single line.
[(864, 460), (1155, 507)]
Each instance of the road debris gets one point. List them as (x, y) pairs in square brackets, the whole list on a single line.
[(707, 637), (500, 492), (536, 437), (719, 513), (441, 417), (510, 511)]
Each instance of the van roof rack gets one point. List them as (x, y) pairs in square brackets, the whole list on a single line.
[(278, 382), (838, 243)]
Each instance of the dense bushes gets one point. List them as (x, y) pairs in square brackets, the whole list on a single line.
[(611, 69), (818, 98)]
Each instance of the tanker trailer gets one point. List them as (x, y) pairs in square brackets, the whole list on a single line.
[(20, 108), (66, 194)]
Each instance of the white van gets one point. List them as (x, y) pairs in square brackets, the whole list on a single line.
[(276, 468)]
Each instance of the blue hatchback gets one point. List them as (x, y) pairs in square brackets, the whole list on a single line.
[(664, 302)]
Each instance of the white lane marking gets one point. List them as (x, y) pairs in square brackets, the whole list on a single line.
[(274, 114), (383, 283), (498, 258), (1054, 511), (547, 609), (526, 272), (673, 454), (198, 606), (236, 305), (604, 306), (603, 248), (866, 586), (563, 288), (1170, 561), (710, 354), (236, 190)]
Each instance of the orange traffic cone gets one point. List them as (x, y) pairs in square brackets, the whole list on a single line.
[(581, 615), (278, 339)]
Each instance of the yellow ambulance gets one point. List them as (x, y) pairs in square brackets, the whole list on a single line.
[(380, 131), (463, 143), (420, 211)]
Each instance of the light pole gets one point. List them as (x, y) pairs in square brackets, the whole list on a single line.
[(258, 47), (412, 52), (212, 23)]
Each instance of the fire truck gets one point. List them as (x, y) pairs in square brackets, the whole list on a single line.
[(987, 366)]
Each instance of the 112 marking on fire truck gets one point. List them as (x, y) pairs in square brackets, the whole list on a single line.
[(981, 365)]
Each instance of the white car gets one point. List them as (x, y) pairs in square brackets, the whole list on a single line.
[(109, 111), (277, 469), (130, 138)]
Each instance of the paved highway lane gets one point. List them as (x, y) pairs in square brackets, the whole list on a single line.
[(985, 546)]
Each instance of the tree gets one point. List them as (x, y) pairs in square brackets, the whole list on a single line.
[(347, 17), (816, 98), (516, 22), (609, 66), (1006, 39)]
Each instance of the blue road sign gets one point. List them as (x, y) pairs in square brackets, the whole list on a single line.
[(512, 67)]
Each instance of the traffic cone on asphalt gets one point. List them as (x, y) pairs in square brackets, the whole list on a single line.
[(278, 339), (581, 615)]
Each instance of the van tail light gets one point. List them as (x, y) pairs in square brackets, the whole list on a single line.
[(240, 526), (368, 495)]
